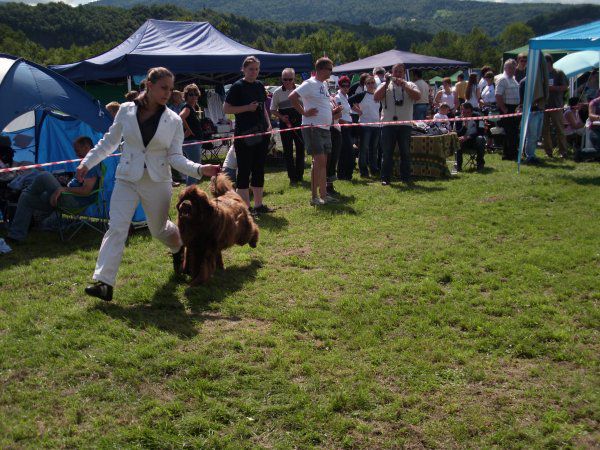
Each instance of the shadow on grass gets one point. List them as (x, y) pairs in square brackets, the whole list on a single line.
[(418, 186), (167, 313), (553, 164), (42, 244), (583, 180), (271, 222)]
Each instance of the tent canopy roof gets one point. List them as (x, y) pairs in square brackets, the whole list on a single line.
[(182, 47), (25, 86), (583, 37), (391, 57), (557, 53)]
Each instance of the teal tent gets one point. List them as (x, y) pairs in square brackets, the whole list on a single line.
[(584, 37)]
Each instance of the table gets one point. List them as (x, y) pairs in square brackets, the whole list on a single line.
[(428, 155)]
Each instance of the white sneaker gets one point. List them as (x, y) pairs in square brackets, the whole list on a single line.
[(330, 199), (317, 201)]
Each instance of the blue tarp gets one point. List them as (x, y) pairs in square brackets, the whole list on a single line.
[(25, 87), (584, 37), (184, 48), (410, 61)]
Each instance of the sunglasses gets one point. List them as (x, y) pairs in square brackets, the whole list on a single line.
[(191, 94), (287, 79)]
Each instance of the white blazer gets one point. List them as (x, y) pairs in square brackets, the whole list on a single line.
[(162, 152)]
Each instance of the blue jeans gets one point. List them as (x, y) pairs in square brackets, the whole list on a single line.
[(534, 131), (193, 153), (37, 197), (367, 158), (390, 136), (420, 111)]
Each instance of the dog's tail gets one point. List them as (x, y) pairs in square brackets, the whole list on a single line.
[(220, 184)]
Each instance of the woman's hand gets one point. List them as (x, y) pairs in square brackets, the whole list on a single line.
[(210, 170), (81, 172)]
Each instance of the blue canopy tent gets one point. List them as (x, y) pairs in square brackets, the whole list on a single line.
[(584, 37), (410, 61), (62, 111), (195, 48)]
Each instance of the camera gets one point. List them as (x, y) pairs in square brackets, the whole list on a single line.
[(399, 102)]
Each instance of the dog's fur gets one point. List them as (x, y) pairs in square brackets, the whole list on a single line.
[(208, 226)]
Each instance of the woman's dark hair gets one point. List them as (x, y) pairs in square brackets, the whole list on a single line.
[(472, 83), (573, 101), (6, 151), (154, 74), (418, 73), (84, 140), (363, 78), (131, 95)]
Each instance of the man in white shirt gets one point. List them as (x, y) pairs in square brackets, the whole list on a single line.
[(317, 114), (398, 97), (282, 108), (421, 106)]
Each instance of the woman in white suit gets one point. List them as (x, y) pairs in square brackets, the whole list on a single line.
[(153, 136)]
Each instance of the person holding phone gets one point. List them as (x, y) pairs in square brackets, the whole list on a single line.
[(398, 97), (246, 99)]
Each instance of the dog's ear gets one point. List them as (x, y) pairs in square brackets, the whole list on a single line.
[(201, 204)]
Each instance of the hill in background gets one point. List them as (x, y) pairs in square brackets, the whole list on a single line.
[(428, 15)]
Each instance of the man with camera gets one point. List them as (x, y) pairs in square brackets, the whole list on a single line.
[(397, 97)]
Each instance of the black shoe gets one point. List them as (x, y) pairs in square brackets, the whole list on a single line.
[(101, 290), (331, 190), (178, 261), (263, 209)]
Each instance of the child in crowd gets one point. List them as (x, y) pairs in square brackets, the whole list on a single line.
[(230, 164), (442, 116)]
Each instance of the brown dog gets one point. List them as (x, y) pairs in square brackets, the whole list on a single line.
[(208, 226)]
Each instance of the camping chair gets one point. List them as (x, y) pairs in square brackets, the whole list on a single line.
[(71, 221)]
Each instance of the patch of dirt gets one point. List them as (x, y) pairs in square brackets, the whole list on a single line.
[(493, 199)]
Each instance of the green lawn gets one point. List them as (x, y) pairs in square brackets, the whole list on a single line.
[(457, 314)]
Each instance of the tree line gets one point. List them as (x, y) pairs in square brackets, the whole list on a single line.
[(57, 33)]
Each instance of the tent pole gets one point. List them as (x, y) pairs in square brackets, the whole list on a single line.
[(128, 83), (571, 87)]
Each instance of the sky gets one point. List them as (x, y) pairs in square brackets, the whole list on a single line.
[(596, 2)]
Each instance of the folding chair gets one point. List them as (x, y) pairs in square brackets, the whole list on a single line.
[(71, 221)]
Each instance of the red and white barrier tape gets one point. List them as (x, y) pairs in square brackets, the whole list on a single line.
[(266, 133)]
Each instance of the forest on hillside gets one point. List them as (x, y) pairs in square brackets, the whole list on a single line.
[(56, 33)]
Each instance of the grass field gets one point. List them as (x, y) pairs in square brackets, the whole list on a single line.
[(456, 314)]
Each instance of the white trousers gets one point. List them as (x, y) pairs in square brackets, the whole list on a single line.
[(156, 200)]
